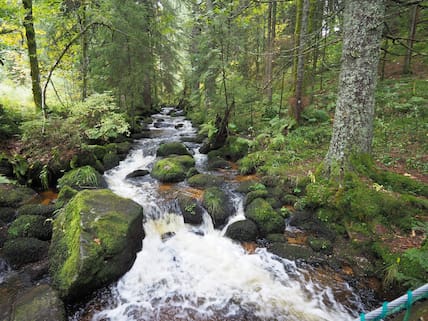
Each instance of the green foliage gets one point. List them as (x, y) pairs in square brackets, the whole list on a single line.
[(208, 129), (80, 178)]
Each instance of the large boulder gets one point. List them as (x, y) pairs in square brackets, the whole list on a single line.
[(7, 214), (191, 210), (23, 250), (218, 205), (172, 169), (266, 218), (204, 181), (81, 178), (37, 209), (172, 148), (31, 226), (244, 231), (95, 241), (39, 303)]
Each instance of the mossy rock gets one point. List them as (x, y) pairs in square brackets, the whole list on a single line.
[(251, 196), (215, 155), (219, 164), (37, 209), (65, 194), (243, 231), (172, 169), (218, 205), (98, 150), (123, 148), (308, 220), (246, 187), (294, 252), (110, 160), (82, 178), (23, 250), (266, 218), (204, 181), (275, 238), (191, 210), (235, 148), (14, 196), (31, 226), (192, 172), (172, 148), (7, 214), (320, 245), (83, 158), (95, 241), (39, 303)]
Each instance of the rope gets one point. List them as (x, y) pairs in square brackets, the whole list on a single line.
[(403, 302)]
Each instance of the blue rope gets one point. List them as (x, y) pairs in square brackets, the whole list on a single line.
[(362, 317), (408, 305), (384, 310)]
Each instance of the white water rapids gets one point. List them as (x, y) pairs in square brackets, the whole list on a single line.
[(197, 273)]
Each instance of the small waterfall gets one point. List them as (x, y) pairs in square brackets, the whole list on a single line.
[(195, 273)]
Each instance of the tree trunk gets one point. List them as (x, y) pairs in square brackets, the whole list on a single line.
[(298, 105), (32, 53), (271, 34), (353, 122), (407, 68), (85, 57)]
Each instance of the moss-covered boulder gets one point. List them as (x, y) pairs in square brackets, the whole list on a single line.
[(204, 181), (190, 208), (82, 178), (294, 252), (39, 303), (172, 148), (98, 150), (266, 218), (252, 195), (95, 241), (37, 209), (124, 147), (65, 194), (218, 205), (244, 231), (246, 186), (219, 164), (14, 196), (31, 226), (7, 214), (110, 160), (24, 250), (172, 169), (235, 148)]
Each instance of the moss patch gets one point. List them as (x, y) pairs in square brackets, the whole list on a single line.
[(204, 181), (172, 148), (172, 169), (31, 226), (266, 218), (81, 178), (218, 205)]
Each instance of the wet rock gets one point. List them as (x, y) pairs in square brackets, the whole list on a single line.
[(143, 134), (244, 231), (24, 250), (219, 164), (39, 303), (95, 241), (172, 148), (110, 160), (252, 195), (172, 169), (36, 209), (179, 113), (307, 220), (204, 181), (123, 148), (191, 210), (138, 173), (294, 252), (7, 214), (166, 236), (266, 218), (192, 172), (35, 226), (14, 196), (178, 126), (218, 205), (82, 178)]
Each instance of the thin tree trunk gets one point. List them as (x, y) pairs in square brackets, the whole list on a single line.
[(32, 53), (407, 68), (353, 121), (298, 106), (270, 41), (85, 57)]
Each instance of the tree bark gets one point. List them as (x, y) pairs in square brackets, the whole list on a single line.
[(298, 105), (32, 53), (353, 121), (270, 41), (407, 69)]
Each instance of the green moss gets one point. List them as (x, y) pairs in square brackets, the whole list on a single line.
[(98, 150), (110, 160), (185, 160), (218, 205), (36, 209), (172, 148), (266, 218), (235, 148), (65, 194), (24, 250), (81, 178), (14, 196), (172, 169), (251, 196), (31, 226), (204, 181)]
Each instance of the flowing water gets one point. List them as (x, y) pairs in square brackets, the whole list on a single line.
[(195, 273)]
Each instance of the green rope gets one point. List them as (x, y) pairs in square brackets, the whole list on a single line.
[(408, 305)]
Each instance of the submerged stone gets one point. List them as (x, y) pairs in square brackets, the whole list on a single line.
[(95, 241)]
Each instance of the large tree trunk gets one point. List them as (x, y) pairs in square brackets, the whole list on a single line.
[(32, 52), (353, 122)]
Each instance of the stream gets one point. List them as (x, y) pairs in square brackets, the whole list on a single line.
[(185, 272)]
